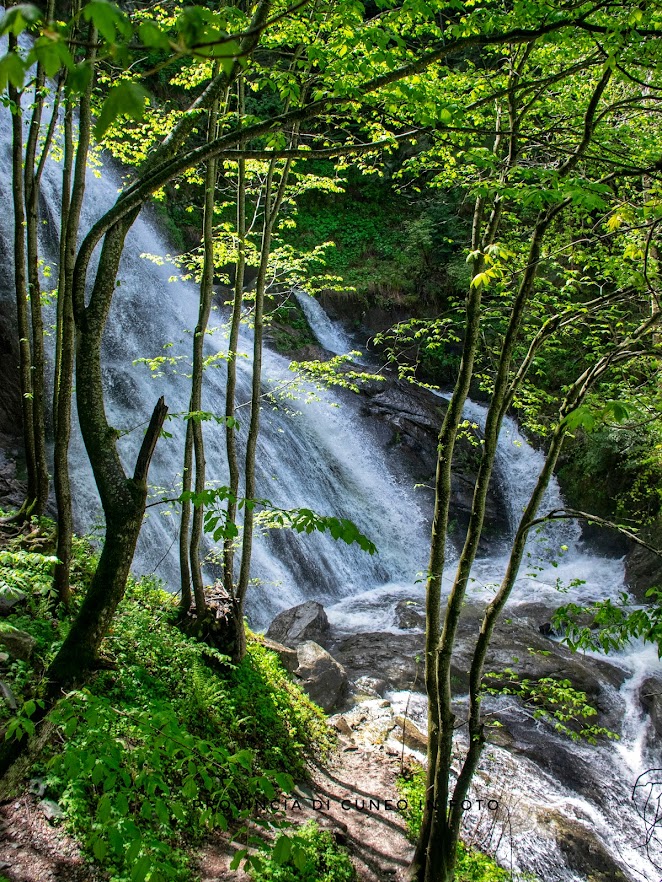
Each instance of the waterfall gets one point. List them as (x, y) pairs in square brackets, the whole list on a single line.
[(329, 334), (322, 453), (312, 453)]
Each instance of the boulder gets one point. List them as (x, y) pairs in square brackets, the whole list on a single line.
[(10, 598), (583, 850), (323, 679), (393, 656), (650, 696), (19, 644), (372, 686), (409, 614), (411, 735), (369, 724), (643, 570), (286, 654), (307, 621), (51, 810)]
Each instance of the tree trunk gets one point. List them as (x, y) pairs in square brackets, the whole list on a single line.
[(271, 209), (123, 498), (231, 383), (72, 204)]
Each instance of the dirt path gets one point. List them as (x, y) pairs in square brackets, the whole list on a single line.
[(31, 850), (354, 796)]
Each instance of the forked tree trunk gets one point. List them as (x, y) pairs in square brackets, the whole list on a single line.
[(123, 497)]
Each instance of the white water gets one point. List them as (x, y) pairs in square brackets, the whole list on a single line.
[(325, 457), (331, 335)]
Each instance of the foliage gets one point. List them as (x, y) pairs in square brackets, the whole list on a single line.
[(301, 520), (334, 372), (26, 571), (614, 625), (154, 753), (615, 471), (551, 699), (472, 865), (307, 855)]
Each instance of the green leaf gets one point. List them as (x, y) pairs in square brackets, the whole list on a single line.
[(78, 78), (16, 19), (178, 811), (190, 789), (238, 857), (51, 54), (299, 857), (162, 812), (282, 850), (141, 869), (121, 804), (124, 99), (12, 70), (284, 781), (107, 19), (581, 416), (152, 36), (244, 758), (99, 849)]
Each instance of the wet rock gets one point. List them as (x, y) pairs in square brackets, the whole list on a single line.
[(372, 686), (323, 679), (410, 418), (412, 736), (643, 569), (19, 644), (286, 654), (37, 786), (584, 852), (409, 614), (369, 724), (308, 621), (393, 656), (516, 644), (650, 696), (10, 599)]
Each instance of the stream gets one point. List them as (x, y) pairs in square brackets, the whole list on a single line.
[(320, 450)]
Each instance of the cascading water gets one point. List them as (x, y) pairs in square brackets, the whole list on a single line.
[(314, 454), (329, 334), (537, 801)]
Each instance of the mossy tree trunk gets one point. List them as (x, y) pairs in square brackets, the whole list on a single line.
[(123, 496), (73, 192)]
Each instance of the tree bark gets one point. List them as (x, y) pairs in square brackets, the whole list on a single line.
[(72, 204), (123, 498)]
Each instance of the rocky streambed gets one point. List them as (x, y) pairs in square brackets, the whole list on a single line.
[(555, 795)]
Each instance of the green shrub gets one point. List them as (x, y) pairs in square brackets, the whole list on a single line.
[(168, 741), (309, 855), (472, 865)]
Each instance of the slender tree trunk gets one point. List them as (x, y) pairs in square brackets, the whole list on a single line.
[(31, 195), (444, 827), (21, 284), (231, 384), (186, 597), (72, 202), (206, 295), (272, 206)]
